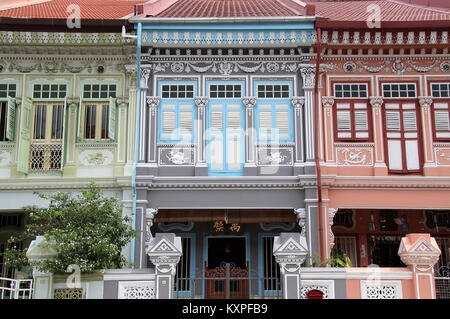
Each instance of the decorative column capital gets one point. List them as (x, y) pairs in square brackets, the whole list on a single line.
[(201, 101), (249, 101), (153, 101), (376, 101), (122, 101), (308, 74), (327, 102), (425, 101), (298, 102), (73, 101)]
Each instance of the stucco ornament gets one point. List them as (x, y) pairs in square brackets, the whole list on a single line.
[(298, 102), (353, 156), (275, 158), (398, 66), (249, 101), (176, 157), (153, 101), (96, 157), (201, 101), (425, 101)]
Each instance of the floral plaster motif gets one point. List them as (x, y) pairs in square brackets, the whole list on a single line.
[(354, 156), (96, 157), (443, 156)]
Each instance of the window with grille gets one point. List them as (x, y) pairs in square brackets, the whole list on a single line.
[(99, 91), (350, 90), (352, 120), (225, 90), (273, 91), (440, 90), (7, 90), (176, 113), (49, 91), (177, 91), (399, 90)]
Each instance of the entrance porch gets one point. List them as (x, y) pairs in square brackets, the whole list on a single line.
[(227, 253)]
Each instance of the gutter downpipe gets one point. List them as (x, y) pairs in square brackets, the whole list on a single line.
[(322, 249), (139, 33)]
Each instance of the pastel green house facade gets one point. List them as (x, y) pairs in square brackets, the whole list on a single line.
[(68, 112)]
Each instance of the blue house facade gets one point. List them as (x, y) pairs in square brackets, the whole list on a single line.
[(225, 145)]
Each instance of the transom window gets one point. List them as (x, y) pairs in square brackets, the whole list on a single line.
[(7, 90), (177, 91), (273, 91), (49, 91), (440, 89), (396, 90), (225, 90), (350, 90), (99, 91)]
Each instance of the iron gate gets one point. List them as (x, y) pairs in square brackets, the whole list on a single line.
[(442, 281), (228, 282)]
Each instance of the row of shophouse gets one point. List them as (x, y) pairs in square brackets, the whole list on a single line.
[(231, 122)]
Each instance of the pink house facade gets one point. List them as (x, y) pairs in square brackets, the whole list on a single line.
[(383, 132)]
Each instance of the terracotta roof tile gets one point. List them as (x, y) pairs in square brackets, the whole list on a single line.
[(390, 11), (226, 8), (89, 9)]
